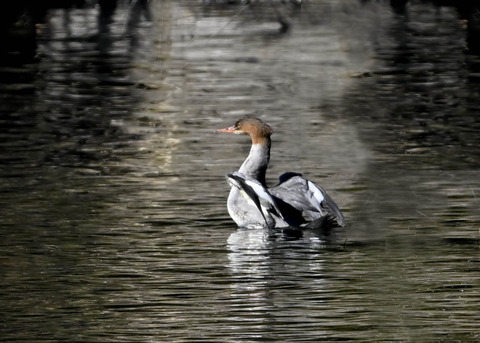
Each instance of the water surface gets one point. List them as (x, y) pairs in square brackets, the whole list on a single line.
[(113, 198)]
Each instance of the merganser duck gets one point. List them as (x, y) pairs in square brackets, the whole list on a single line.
[(293, 202)]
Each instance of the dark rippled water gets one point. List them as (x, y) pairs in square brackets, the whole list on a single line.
[(113, 199)]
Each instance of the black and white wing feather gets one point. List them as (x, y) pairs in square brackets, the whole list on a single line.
[(312, 200), (259, 195)]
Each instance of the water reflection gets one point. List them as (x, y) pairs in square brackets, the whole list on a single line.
[(265, 271), (250, 267), (420, 122)]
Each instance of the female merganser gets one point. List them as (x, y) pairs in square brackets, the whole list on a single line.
[(293, 202)]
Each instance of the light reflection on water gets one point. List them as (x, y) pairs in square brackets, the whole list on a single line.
[(114, 222)]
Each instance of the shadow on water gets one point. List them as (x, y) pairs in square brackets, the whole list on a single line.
[(63, 153), (60, 115), (424, 123), (114, 223)]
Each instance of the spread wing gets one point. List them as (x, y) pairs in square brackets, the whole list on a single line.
[(259, 195), (312, 200)]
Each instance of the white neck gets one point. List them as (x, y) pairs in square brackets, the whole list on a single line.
[(255, 165)]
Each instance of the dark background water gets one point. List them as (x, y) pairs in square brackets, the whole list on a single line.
[(113, 198)]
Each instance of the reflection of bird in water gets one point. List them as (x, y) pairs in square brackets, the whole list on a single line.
[(294, 202)]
